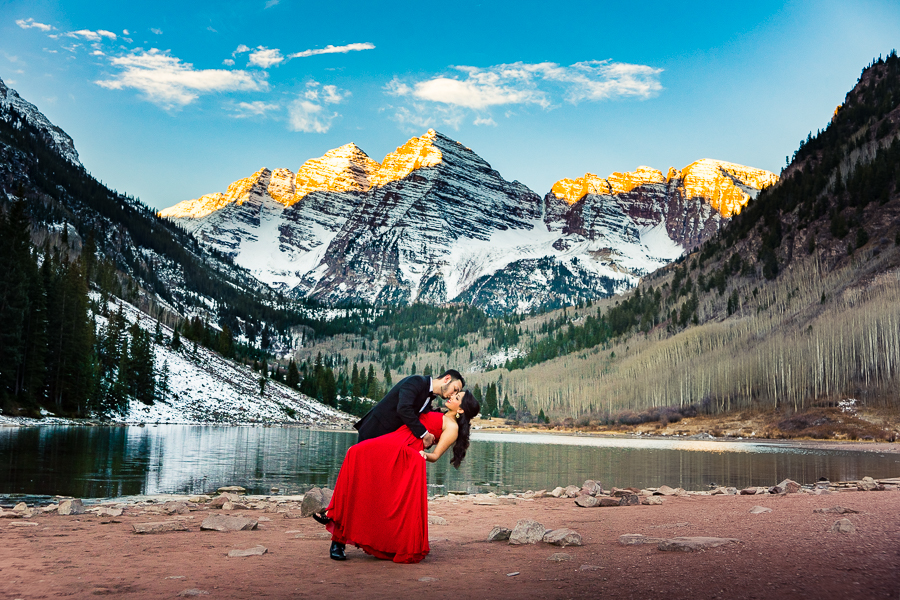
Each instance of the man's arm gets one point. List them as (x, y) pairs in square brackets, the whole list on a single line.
[(409, 404)]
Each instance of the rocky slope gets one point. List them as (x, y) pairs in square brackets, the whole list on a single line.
[(433, 222), (55, 137)]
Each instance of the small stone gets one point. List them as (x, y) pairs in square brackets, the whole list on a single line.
[(513, 574), (731, 491), (836, 509), (199, 499), (220, 501), (436, 520), (557, 492), (587, 501), (563, 537), (680, 492), (776, 490), (692, 544), (71, 507), (572, 491), (750, 491), (254, 551), (758, 510), (843, 526), (105, 511), (559, 557), (499, 534), (221, 522), (629, 500), (637, 539), (23, 524), (610, 502), (651, 500), (264, 519), (159, 527), (427, 579), (20, 507), (193, 592), (589, 568), (176, 508), (233, 489), (789, 486), (485, 502), (665, 490), (719, 491), (526, 531)]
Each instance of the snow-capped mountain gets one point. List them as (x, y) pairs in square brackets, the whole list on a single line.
[(435, 223), (56, 137)]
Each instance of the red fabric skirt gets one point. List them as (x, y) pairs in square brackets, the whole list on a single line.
[(380, 500)]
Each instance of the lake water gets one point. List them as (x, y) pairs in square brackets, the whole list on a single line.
[(105, 462)]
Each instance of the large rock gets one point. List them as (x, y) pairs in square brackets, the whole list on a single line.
[(559, 557), (563, 537), (159, 527), (527, 531), (651, 500), (20, 507), (587, 501), (629, 500), (665, 490), (234, 489), (591, 488), (254, 551), (227, 523), (436, 520), (557, 492), (314, 501), (692, 544), (610, 501), (499, 534), (867, 484), (789, 486), (572, 491), (221, 501), (843, 526), (71, 507)]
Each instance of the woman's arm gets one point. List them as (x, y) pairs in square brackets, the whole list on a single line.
[(449, 432)]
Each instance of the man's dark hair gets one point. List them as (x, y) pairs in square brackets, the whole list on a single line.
[(454, 376)]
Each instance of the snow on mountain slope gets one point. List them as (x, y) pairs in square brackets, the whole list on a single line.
[(204, 387), (58, 138), (433, 222)]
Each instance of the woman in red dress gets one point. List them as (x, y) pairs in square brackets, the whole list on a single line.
[(380, 501)]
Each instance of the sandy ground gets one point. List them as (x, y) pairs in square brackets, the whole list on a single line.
[(787, 552)]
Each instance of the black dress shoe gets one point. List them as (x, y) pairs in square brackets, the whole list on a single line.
[(321, 518), (337, 551)]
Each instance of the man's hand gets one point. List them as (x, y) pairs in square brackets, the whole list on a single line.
[(428, 440)]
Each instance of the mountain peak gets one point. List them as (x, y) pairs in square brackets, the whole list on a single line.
[(59, 139), (417, 153)]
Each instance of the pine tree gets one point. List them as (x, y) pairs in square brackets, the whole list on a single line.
[(490, 400), (293, 375), (14, 286), (226, 342), (388, 384), (176, 340), (373, 390), (356, 382)]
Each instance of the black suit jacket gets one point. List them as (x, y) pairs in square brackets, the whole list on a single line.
[(401, 406)]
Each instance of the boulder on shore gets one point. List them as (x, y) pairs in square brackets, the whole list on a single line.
[(526, 531), (221, 522), (499, 534), (563, 537), (692, 544), (314, 501), (71, 507)]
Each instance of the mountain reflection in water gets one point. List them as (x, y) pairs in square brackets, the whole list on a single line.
[(104, 462)]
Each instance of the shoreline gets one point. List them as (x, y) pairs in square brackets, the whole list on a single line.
[(479, 425)]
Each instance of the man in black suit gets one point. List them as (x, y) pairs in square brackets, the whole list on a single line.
[(405, 402), (401, 406)]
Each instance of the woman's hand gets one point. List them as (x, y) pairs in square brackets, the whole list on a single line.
[(428, 457)]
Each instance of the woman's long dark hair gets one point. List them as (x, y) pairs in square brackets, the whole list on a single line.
[(469, 410)]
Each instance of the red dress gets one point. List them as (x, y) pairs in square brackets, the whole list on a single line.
[(380, 500)]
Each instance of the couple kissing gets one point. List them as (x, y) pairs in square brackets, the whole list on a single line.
[(380, 500)]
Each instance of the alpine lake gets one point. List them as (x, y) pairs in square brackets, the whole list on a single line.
[(37, 463)]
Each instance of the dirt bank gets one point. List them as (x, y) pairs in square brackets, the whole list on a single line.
[(788, 551)]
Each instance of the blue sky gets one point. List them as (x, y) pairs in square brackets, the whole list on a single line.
[(168, 101)]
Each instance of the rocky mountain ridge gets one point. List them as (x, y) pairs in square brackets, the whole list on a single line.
[(56, 137), (433, 222)]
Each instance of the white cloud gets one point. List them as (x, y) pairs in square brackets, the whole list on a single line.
[(332, 95), (228, 62), (265, 57), (253, 109), (168, 82), (156, 31), (210, 28), (308, 117), (125, 32), (31, 23), (329, 49), (240, 50), (272, 3), (93, 36), (97, 53), (541, 84)]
